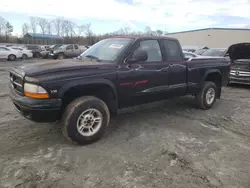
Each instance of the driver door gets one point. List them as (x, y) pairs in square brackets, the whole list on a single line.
[(69, 52), (3, 53), (143, 80)]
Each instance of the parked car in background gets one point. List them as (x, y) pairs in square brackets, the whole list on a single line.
[(25, 52), (36, 50), (200, 51), (9, 53), (45, 53), (217, 52), (240, 63), (66, 51), (189, 55)]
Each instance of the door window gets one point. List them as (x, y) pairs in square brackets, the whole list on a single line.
[(152, 48), (76, 47), (2, 49), (69, 47)]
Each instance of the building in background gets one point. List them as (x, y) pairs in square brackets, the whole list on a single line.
[(212, 37), (42, 39)]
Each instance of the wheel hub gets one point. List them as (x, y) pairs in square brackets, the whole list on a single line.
[(89, 122), (210, 96)]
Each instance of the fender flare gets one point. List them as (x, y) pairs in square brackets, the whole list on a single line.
[(86, 82), (209, 72)]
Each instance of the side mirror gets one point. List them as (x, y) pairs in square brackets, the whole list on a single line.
[(139, 55)]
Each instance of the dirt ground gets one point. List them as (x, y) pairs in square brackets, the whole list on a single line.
[(165, 144)]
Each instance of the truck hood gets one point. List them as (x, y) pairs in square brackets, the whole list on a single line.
[(239, 51), (52, 66)]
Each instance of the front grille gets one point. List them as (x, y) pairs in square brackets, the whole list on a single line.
[(16, 82), (240, 73)]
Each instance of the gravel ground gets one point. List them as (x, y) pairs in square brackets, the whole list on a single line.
[(163, 144)]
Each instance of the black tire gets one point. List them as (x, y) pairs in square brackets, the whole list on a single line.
[(201, 99), (72, 113), (11, 57), (24, 56), (37, 55), (60, 56)]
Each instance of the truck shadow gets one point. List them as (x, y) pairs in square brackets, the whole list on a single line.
[(150, 116)]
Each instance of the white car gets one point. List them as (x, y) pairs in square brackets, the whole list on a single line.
[(9, 53), (25, 52)]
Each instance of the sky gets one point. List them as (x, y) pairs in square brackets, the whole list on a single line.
[(110, 15)]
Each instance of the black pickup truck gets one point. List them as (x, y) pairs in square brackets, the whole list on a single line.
[(84, 93)]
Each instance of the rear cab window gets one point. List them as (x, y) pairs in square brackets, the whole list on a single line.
[(172, 50)]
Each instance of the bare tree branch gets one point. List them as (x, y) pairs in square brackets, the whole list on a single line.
[(42, 23), (33, 24), (80, 29), (2, 26), (58, 25), (49, 27), (25, 28)]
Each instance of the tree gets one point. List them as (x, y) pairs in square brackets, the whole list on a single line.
[(49, 27), (159, 32), (58, 25), (2, 26), (25, 28), (33, 24), (9, 30), (80, 29), (148, 30), (43, 24), (89, 32)]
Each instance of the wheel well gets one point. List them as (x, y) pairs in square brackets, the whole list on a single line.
[(215, 78), (101, 91), (11, 54)]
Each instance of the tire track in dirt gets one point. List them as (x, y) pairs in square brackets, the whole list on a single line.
[(45, 167)]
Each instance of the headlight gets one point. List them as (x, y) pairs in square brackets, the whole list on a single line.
[(35, 91)]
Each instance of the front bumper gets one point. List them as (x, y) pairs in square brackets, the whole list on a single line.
[(53, 55), (37, 110), (239, 80)]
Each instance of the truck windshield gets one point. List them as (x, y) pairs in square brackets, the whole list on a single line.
[(107, 49), (63, 46)]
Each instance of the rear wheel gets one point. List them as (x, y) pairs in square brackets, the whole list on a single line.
[(24, 56), (12, 57), (85, 120), (207, 96)]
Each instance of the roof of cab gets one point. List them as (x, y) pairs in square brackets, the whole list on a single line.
[(143, 37)]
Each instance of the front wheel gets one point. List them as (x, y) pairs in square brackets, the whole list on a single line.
[(60, 56), (11, 57), (207, 96), (85, 120)]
